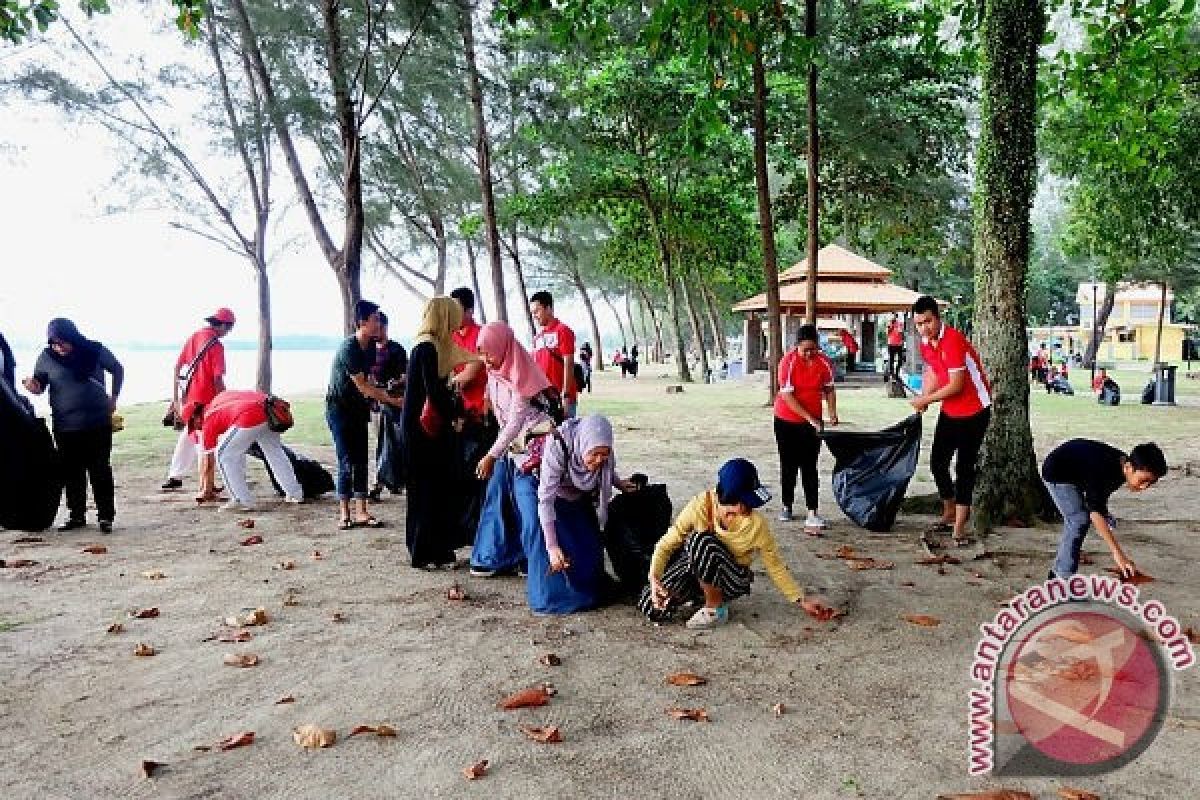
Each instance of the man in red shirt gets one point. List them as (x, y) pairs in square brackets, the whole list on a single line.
[(805, 378), (197, 377), (470, 378), (233, 423), (554, 349), (953, 377), (851, 346), (895, 346)]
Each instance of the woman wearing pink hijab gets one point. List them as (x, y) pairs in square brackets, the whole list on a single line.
[(514, 382)]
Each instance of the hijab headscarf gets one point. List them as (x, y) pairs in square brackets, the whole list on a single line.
[(85, 353), (517, 368), (441, 317), (582, 436)]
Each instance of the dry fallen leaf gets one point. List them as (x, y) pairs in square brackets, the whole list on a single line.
[(290, 599), (337, 616), (924, 620), (28, 540), (1137, 580), (17, 562), (150, 767), (693, 714), (476, 770), (550, 660), (1071, 793), (154, 575), (246, 523), (315, 555), (825, 613), (98, 550), (932, 561), (526, 698), (234, 637), (779, 709), (868, 563), (1192, 634), (287, 698), (116, 627), (240, 660), (846, 551), (287, 565), (311, 736), (378, 730), (908, 584), (686, 679), (456, 593), (547, 734), (144, 613), (143, 649), (249, 540), (236, 740), (994, 794)]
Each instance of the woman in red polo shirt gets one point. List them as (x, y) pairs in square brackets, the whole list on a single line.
[(805, 377)]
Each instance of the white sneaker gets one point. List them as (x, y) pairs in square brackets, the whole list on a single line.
[(707, 618), (234, 505), (295, 501), (815, 520)]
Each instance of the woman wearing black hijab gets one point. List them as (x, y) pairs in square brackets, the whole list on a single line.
[(72, 368)]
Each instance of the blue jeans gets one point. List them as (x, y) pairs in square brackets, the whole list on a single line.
[(350, 443), (1076, 522), (498, 536)]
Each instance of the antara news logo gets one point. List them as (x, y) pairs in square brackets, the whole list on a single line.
[(1073, 679)]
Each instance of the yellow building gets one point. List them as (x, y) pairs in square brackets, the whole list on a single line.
[(1133, 324)]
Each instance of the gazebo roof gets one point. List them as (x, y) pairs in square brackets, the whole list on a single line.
[(838, 297), (837, 262)]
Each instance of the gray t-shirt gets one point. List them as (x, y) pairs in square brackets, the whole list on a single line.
[(77, 404)]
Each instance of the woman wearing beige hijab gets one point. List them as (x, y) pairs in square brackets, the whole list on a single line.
[(427, 426)]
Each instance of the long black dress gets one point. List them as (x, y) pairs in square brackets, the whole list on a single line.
[(430, 465)]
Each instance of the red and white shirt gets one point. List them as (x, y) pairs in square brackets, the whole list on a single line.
[(467, 337), (895, 334), (232, 408), (951, 352), (806, 379), (552, 347)]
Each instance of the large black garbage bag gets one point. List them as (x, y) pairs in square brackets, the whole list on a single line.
[(30, 473), (314, 479), (636, 521), (1148, 394), (1110, 393), (872, 470), (470, 445), (389, 453)]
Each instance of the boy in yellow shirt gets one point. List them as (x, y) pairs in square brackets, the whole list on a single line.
[(705, 557)]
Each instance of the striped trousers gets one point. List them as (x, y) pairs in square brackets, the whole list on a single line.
[(702, 559)]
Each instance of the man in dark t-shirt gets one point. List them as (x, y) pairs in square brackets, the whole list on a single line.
[(1081, 475)]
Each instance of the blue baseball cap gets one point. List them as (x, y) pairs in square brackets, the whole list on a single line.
[(737, 480)]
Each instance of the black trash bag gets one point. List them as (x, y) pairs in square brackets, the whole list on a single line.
[(871, 471), (1110, 393), (470, 445), (30, 472), (389, 452), (1148, 394), (314, 479), (636, 521)]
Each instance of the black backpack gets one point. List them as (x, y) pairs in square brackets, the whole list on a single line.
[(636, 521)]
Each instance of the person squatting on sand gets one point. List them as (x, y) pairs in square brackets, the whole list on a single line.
[(234, 422)]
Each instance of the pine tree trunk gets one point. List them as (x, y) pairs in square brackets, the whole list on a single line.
[(519, 269), (1008, 488), (667, 266), (634, 334), (581, 287), (655, 321), (766, 225), (473, 265), (697, 328), (483, 154), (1162, 312), (262, 377)]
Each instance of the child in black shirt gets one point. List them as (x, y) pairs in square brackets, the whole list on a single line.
[(1081, 475)]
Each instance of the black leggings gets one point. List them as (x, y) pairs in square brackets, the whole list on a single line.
[(798, 450), (86, 455), (964, 436)]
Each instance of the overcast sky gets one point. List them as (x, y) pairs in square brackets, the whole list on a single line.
[(129, 276)]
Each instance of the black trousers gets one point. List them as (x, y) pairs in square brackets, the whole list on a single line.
[(962, 436), (895, 359), (86, 455), (798, 450)]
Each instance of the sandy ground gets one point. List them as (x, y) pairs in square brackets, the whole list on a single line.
[(875, 707)]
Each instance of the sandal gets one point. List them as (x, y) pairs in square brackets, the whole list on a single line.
[(962, 541), (939, 527), (367, 522), (346, 524)]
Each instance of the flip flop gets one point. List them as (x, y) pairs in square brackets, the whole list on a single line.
[(939, 527), (367, 522)]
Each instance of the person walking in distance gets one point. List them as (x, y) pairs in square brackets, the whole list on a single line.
[(554, 349), (895, 347), (806, 378), (198, 376), (953, 377)]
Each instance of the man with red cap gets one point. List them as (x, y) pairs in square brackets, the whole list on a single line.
[(198, 377)]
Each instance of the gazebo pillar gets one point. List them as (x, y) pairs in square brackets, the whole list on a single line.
[(751, 336)]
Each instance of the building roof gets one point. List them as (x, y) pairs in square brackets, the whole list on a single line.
[(837, 297), (837, 262)]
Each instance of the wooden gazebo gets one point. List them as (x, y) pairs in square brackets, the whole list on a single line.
[(850, 288)]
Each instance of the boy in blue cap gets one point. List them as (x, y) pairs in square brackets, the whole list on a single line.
[(704, 558)]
